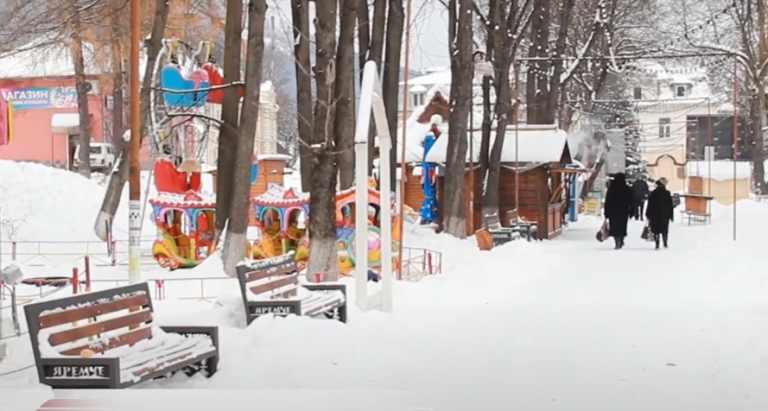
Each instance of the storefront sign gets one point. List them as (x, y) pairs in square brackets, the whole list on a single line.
[(30, 98), (593, 203)]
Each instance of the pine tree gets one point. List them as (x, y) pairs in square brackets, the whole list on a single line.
[(636, 165)]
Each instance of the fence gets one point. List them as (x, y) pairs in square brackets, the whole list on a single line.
[(417, 263), (46, 253)]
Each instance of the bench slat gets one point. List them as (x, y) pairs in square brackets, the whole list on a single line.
[(129, 338), (286, 268), (77, 333), (81, 313), (277, 283), (322, 303)]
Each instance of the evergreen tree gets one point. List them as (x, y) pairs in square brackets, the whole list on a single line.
[(636, 165)]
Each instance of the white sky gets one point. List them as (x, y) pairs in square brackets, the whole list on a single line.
[(429, 31)]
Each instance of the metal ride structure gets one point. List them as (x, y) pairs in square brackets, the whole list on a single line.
[(182, 115), (372, 105)]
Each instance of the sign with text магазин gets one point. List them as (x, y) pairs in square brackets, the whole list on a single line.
[(29, 98)]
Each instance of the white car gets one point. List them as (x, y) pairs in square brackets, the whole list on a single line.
[(102, 156)]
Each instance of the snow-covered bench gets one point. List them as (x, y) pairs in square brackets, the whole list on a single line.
[(106, 339), (271, 286)]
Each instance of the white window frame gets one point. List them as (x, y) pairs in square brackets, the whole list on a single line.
[(665, 127)]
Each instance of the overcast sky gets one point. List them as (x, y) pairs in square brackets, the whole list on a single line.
[(429, 31)]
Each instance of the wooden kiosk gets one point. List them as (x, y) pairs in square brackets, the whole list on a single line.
[(697, 205), (539, 164)]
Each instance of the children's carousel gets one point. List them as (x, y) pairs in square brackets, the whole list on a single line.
[(282, 216)]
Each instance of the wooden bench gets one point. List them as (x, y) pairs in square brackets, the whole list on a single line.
[(527, 229), (271, 286), (693, 218), (499, 233), (106, 339)]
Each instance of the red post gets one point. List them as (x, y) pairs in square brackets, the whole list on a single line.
[(114, 253), (87, 274), (429, 262), (75, 282), (159, 292)]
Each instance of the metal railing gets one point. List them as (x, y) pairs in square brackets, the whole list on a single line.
[(46, 253)]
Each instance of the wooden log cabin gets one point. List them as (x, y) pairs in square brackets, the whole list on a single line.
[(540, 162)]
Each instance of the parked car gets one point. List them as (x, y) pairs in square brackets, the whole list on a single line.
[(102, 157)]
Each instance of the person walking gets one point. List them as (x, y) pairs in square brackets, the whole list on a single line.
[(640, 190), (619, 207), (660, 212)]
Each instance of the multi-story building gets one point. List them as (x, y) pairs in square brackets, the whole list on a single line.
[(663, 100)]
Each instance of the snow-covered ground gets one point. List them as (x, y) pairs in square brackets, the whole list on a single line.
[(567, 324)]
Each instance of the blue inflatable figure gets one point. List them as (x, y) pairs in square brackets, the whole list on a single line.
[(254, 168), (428, 210), (182, 91)]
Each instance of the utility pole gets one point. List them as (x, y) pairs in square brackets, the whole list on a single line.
[(134, 148)]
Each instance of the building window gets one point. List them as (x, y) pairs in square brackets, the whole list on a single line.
[(681, 91), (665, 127), (638, 93), (417, 99)]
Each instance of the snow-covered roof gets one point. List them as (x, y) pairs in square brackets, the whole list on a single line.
[(659, 82), (437, 77), (277, 195), (45, 57), (536, 144), (719, 170), (282, 157), (418, 89)]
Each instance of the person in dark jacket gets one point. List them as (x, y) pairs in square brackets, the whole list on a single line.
[(640, 190), (619, 207), (660, 212)]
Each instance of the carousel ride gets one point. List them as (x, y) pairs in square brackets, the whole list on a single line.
[(282, 216), (183, 115)]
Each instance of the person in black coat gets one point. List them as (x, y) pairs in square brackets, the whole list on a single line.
[(640, 190), (619, 207), (660, 212)]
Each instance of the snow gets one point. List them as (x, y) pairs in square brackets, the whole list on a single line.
[(536, 144), (436, 77), (719, 170), (566, 324)]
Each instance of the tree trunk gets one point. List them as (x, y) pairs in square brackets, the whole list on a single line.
[(391, 80), (230, 118), (344, 127), (537, 91), (81, 83), (119, 176), (118, 107), (374, 51), (236, 239), (301, 42), (322, 226), (460, 39)]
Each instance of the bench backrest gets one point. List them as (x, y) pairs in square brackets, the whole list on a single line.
[(512, 216), (269, 278), (492, 221), (97, 321)]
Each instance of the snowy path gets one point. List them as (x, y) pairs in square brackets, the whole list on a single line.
[(587, 328)]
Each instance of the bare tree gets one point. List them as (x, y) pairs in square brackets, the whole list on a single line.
[(82, 86), (504, 26), (300, 13), (391, 80), (322, 227), (118, 177), (344, 127), (371, 37), (230, 119), (236, 239), (462, 68)]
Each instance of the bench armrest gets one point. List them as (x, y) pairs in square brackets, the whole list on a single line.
[(326, 287), (212, 332)]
